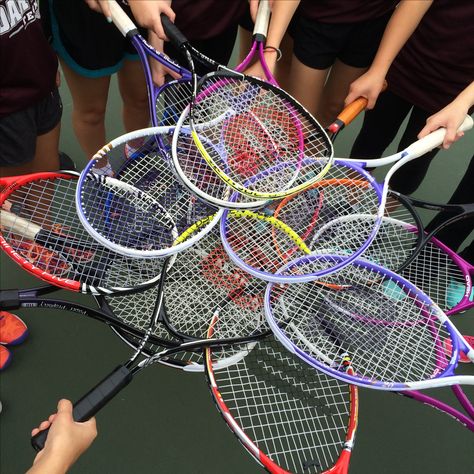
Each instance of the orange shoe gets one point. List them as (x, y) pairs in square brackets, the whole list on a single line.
[(5, 357), (12, 329)]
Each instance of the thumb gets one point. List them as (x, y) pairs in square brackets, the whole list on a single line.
[(65, 406)]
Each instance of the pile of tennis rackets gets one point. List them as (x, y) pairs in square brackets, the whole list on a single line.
[(227, 239)]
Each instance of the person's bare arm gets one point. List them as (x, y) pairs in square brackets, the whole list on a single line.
[(402, 24), (67, 440), (451, 117), (282, 13)]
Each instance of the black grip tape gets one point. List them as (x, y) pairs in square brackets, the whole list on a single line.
[(172, 32), (91, 403)]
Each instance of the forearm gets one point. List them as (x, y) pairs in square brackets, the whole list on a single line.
[(282, 13), (465, 99), (402, 24), (49, 464)]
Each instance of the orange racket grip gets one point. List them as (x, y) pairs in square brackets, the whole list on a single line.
[(350, 112)]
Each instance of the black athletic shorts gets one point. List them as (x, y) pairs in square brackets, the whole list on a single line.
[(85, 41), (246, 22), (218, 48), (18, 131), (318, 45)]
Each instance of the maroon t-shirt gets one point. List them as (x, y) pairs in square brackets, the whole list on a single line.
[(437, 62), (203, 19), (345, 11), (27, 62)]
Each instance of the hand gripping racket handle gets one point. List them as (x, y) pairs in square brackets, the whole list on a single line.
[(350, 112), (261, 22), (172, 32), (435, 139), (121, 20), (91, 403)]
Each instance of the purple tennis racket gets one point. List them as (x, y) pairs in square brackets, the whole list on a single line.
[(166, 102), (393, 333)]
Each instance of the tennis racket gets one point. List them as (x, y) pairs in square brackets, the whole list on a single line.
[(166, 102), (289, 417), (349, 206), (137, 207), (394, 333), (191, 295), (404, 245), (255, 124), (40, 231)]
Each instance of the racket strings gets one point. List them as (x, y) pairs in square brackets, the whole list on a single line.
[(50, 204), (204, 284), (261, 243), (161, 209), (258, 129), (296, 415), (400, 344), (172, 99)]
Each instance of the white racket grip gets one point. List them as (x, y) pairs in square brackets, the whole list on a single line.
[(263, 17), (435, 139), (18, 225), (121, 20)]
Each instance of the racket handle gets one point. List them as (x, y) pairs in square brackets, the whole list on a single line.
[(121, 20), (350, 112), (435, 139), (91, 403), (172, 32)]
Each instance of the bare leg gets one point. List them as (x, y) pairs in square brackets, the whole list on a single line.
[(307, 84), (245, 42), (283, 66), (335, 91), (132, 86), (89, 96)]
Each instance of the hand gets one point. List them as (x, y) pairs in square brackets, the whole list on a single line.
[(146, 13), (253, 4), (67, 440), (451, 117), (368, 85), (158, 71)]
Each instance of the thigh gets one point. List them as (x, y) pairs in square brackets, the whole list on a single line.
[(131, 80), (306, 84), (336, 90), (88, 94), (380, 126)]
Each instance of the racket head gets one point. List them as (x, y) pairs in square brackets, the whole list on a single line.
[(204, 285), (318, 219), (258, 127), (289, 417), (391, 330), (41, 232), (143, 208)]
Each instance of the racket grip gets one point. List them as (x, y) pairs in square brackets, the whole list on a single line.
[(435, 139), (90, 404), (172, 32)]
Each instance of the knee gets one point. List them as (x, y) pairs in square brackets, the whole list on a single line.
[(91, 116)]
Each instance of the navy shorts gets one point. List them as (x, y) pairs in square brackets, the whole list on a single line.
[(19, 131), (318, 45)]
